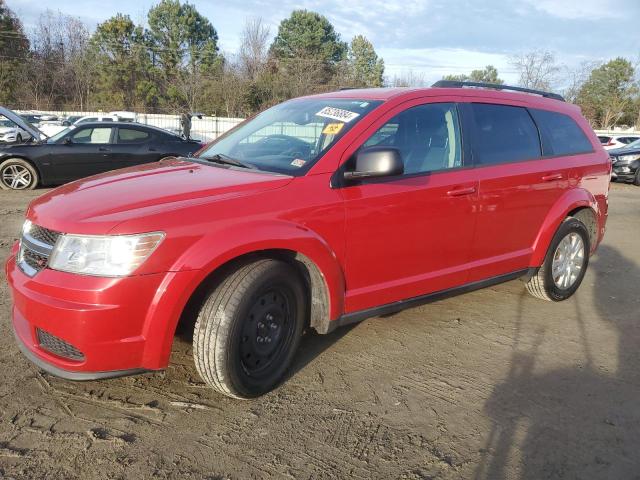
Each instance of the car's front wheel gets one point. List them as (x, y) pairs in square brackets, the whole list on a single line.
[(565, 264), (636, 179), (17, 174), (249, 328)]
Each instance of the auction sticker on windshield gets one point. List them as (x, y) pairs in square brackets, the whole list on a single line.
[(337, 114), (332, 128)]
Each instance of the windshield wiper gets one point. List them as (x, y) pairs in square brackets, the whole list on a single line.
[(227, 160)]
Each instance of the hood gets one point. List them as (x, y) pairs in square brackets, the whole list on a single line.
[(623, 151), (4, 130), (22, 123), (97, 204)]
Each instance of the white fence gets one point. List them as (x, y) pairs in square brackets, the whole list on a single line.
[(205, 128)]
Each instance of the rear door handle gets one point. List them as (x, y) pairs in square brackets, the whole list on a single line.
[(459, 192), (104, 149), (552, 177)]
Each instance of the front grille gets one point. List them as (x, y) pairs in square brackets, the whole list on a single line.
[(58, 347), (36, 246), (44, 235), (34, 260)]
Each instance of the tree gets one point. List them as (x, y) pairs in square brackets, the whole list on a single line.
[(537, 69), (14, 48), (308, 46), (488, 75), (364, 67), (253, 53), (607, 95), (61, 72), (184, 45), (181, 37), (125, 65)]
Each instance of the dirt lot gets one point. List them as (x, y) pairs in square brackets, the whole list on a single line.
[(489, 385)]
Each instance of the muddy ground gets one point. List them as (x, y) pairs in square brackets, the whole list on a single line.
[(490, 385)]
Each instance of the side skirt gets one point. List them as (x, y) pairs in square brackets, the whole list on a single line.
[(398, 306)]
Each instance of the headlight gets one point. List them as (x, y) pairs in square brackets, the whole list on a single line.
[(107, 256), (629, 158)]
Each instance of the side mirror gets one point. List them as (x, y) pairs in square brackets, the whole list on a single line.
[(374, 162), (66, 123), (67, 141)]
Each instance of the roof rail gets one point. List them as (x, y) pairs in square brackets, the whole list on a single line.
[(495, 86)]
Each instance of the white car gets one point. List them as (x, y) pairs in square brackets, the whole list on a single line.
[(617, 141), (11, 133)]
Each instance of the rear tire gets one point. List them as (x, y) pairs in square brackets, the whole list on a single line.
[(561, 274), (249, 328), (17, 174)]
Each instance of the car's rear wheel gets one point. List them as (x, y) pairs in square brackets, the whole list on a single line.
[(17, 174), (565, 264), (249, 328)]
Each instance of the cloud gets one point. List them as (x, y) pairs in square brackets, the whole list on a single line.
[(582, 9)]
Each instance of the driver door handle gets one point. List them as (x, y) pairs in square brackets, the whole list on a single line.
[(459, 192)]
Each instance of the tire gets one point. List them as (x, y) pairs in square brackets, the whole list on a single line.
[(543, 285), (18, 138), (265, 299), (17, 174), (636, 179)]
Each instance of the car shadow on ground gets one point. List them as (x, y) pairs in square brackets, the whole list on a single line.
[(578, 422)]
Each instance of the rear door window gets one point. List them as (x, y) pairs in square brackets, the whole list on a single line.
[(130, 135), (561, 134), (503, 134)]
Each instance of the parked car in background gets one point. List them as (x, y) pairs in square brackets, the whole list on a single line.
[(617, 141), (12, 133), (317, 213), (85, 149), (625, 162)]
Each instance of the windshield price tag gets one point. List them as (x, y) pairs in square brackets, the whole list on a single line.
[(298, 162), (337, 114)]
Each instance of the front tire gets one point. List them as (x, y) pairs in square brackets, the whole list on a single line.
[(17, 174), (249, 328), (636, 179), (18, 138), (564, 265)]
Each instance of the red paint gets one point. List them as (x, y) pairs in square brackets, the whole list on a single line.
[(374, 243)]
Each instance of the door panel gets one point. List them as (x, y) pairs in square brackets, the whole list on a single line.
[(134, 147), (411, 235), (517, 187), (88, 153)]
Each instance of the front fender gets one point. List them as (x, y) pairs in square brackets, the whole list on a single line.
[(569, 201), (216, 249)]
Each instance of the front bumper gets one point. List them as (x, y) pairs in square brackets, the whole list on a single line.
[(120, 325), (624, 172)]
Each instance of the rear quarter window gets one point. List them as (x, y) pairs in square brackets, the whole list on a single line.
[(561, 134), (503, 134)]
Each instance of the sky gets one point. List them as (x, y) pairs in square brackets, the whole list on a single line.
[(429, 38)]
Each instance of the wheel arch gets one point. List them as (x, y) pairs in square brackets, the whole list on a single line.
[(578, 203), (311, 257)]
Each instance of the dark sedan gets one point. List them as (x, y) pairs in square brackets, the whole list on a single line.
[(626, 163), (84, 150)]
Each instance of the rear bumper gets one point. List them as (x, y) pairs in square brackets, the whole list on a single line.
[(121, 326)]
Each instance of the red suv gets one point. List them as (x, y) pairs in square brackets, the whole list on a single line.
[(318, 212)]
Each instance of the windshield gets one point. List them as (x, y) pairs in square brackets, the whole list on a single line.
[(6, 123), (289, 138), (635, 144)]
